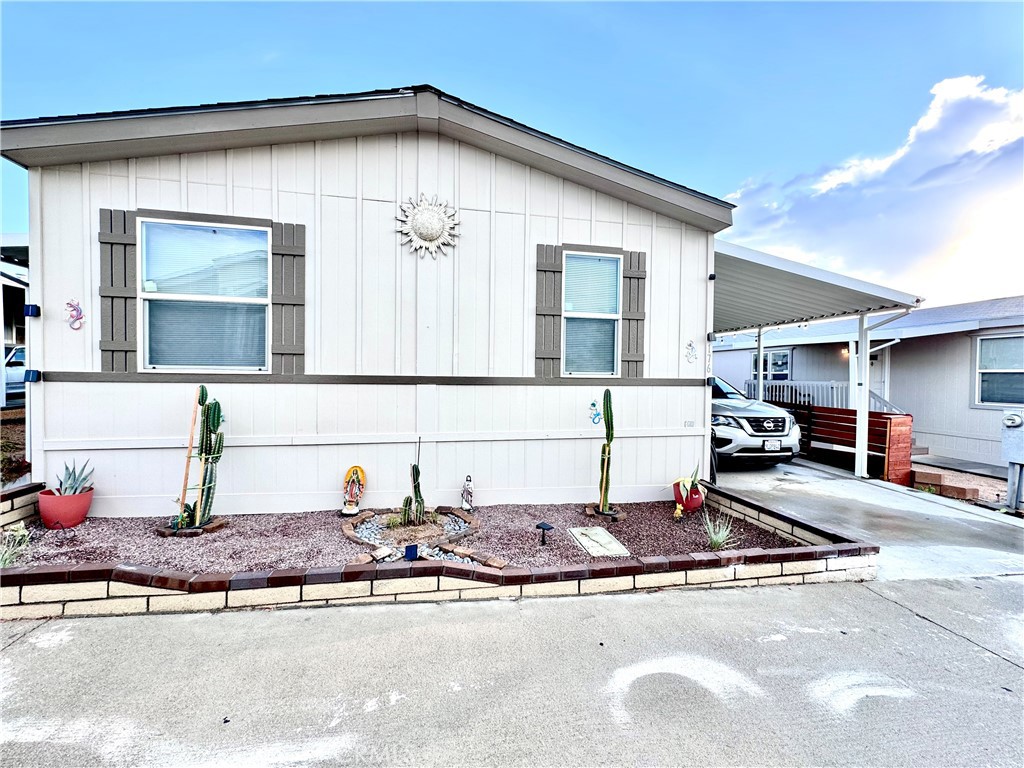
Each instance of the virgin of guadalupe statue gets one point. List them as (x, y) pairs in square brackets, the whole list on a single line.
[(355, 484)]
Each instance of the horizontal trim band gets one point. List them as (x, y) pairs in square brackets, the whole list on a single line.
[(410, 438), (118, 292), (116, 238), (279, 298), (203, 218), (288, 250), (96, 377), (111, 345)]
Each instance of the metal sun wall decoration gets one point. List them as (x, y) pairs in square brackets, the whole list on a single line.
[(428, 226)]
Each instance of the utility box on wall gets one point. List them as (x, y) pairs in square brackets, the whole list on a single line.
[(1013, 437)]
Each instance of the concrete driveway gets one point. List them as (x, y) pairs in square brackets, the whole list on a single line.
[(921, 535), (909, 673)]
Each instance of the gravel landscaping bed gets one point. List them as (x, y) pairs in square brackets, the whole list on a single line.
[(509, 531), (248, 543), (315, 539), (375, 531)]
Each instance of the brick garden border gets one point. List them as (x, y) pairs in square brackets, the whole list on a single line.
[(20, 503), (119, 588)]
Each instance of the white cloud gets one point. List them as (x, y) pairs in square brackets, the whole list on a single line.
[(938, 216)]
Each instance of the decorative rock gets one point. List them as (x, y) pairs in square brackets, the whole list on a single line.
[(382, 553), (214, 525)]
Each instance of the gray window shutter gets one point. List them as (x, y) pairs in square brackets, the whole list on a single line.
[(118, 299), (634, 277), (288, 298), (549, 312)]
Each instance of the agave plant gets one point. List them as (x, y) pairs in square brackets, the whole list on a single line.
[(719, 531), (74, 480)]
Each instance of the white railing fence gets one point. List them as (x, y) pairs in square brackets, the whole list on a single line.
[(830, 394)]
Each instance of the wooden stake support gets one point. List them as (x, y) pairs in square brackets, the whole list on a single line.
[(188, 456)]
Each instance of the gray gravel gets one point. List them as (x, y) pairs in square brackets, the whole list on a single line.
[(248, 543), (374, 530)]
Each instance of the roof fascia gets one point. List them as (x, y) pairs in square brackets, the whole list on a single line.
[(66, 141), (912, 332)]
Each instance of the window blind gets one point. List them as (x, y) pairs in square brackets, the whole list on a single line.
[(591, 284), (205, 260), (199, 333), (589, 345)]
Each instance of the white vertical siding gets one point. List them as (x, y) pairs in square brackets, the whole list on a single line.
[(288, 445), (931, 378), (62, 199), (373, 307)]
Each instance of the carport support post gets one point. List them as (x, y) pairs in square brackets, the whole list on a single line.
[(759, 365), (863, 399)]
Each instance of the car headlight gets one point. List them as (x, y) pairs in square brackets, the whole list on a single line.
[(724, 421)]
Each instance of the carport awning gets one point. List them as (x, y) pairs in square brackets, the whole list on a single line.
[(755, 289)]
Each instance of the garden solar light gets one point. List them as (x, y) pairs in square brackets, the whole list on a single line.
[(544, 528)]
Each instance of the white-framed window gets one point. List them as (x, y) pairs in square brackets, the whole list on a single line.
[(204, 292), (774, 365), (591, 313), (999, 370)]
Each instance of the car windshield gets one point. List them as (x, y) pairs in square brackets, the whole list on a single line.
[(723, 390)]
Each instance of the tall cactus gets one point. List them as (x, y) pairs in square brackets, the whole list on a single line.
[(209, 451), (606, 452)]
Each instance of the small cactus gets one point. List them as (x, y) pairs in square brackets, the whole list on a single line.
[(414, 509)]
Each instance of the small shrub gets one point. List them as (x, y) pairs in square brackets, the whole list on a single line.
[(719, 531), (432, 517), (13, 544), (394, 521)]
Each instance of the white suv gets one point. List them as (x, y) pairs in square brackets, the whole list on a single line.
[(750, 429)]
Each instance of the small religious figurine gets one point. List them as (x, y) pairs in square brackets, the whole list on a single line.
[(467, 494), (355, 484)]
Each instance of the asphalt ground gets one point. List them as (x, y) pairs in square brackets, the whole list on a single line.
[(922, 673)]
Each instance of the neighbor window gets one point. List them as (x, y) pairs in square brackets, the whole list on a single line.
[(591, 312), (1000, 371), (205, 293), (774, 365)]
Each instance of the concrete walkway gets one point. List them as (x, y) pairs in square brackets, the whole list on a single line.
[(962, 465), (921, 535)]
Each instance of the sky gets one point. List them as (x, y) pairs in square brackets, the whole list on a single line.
[(879, 140)]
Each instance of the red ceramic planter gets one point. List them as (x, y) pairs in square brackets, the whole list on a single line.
[(63, 511)]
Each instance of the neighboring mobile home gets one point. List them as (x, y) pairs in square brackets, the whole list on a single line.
[(954, 368), (254, 247)]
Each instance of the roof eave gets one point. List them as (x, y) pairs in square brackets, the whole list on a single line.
[(60, 141)]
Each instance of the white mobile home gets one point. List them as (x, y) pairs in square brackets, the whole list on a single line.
[(286, 253)]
